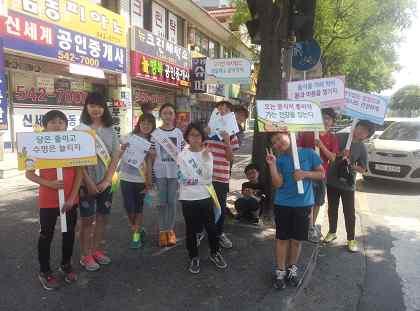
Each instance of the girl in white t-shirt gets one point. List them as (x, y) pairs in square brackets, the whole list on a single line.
[(195, 175), (135, 182), (165, 170)]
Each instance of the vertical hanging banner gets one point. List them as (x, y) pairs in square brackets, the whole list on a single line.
[(3, 88), (198, 75), (365, 106), (172, 28), (138, 18), (329, 92), (158, 20)]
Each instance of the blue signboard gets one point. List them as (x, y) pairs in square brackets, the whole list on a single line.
[(306, 55), (3, 87), (35, 36)]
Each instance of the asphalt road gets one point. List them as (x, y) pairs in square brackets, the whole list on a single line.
[(385, 275)]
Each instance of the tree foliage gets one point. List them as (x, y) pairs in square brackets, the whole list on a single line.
[(358, 38), (406, 98)]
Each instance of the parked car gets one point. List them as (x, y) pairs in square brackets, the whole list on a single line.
[(395, 155), (388, 121)]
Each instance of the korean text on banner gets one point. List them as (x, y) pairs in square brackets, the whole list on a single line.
[(137, 150), (327, 91), (68, 31), (365, 106), (55, 149), (229, 71), (289, 115)]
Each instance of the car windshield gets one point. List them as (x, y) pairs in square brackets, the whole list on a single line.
[(384, 126), (407, 131)]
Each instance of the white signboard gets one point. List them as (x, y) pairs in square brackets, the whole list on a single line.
[(136, 151), (327, 91), (26, 119), (229, 71), (219, 123), (289, 115), (172, 28), (365, 106), (138, 18), (46, 83), (158, 20)]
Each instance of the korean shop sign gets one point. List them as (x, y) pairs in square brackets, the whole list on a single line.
[(327, 91), (71, 31), (289, 115), (152, 69), (55, 149), (3, 88), (147, 43)]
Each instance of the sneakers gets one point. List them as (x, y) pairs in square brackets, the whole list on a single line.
[(163, 239), (313, 235), (292, 276), (135, 241), (194, 265), (171, 236), (101, 258), (48, 281), (352, 245), (69, 275), (89, 263), (218, 260), (200, 237), (225, 242), (330, 237), (280, 279)]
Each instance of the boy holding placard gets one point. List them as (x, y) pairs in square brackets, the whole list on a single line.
[(292, 209), (341, 181), (48, 202), (222, 151)]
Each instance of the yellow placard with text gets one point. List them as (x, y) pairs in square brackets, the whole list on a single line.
[(78, 15), (42, 150)]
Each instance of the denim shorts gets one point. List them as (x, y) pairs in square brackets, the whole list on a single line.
[(100, 203), (133, 196)]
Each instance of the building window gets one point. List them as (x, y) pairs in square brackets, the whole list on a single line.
[(205, 45), (181, 39)]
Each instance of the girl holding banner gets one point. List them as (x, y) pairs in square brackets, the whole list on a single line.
[(195, 175), (168, 141), (136, 179), (95, 194), (49, 185)]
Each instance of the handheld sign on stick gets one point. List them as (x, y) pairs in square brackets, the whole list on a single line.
[(296, 159), (47, 150), (317, 138)]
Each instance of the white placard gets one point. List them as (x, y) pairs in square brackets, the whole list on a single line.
[(289, 115), (158, 20), (136, 151), (229, 70), (55, 149), (329, 92), (364, 106), (219, 123), (172, 28)]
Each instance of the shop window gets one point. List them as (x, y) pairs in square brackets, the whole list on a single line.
[(112, 5), (205, 46), (180, 30), (147, 9)]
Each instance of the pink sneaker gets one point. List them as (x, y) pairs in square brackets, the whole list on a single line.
[(89, 263), (101, 258)]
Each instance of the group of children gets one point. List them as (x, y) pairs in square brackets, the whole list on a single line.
[(189, 174), (194, 169)]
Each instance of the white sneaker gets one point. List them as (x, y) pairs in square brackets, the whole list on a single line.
[(225, 242), (313, 235)]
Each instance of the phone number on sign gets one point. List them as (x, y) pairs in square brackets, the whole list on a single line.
[(74, 58)]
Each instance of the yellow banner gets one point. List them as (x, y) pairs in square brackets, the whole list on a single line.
[(24, 163), (78, 15)]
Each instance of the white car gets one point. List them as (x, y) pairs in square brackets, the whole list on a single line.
[(395, 155)]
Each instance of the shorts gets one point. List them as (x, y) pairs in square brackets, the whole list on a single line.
[(90, 205), (133, 196), (292, 223), (320, 190)]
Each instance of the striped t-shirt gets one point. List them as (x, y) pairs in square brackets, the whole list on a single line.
[(221, 166)]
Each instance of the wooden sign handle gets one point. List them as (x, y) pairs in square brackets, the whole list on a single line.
[(296, 160), (61, 201)]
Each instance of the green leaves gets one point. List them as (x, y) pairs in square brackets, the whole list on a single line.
[(406, 98)]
